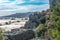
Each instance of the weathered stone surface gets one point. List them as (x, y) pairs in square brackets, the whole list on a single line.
[(34, 20), (21, 35)]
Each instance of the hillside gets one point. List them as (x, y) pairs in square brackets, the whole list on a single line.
[(18, 15)]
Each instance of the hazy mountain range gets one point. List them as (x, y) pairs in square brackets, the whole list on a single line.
[(18, 15)]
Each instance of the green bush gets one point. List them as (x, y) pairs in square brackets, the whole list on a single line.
[(43, 20), (38, 30), (2, 36)]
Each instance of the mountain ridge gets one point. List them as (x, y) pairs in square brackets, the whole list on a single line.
[(18, 15)]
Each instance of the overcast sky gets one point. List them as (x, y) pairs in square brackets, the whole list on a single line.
[(8, 7)]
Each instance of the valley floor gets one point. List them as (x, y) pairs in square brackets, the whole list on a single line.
[(8, 24)]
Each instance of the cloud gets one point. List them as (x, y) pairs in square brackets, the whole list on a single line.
[(27, 8), (7, 6), (10, 4), (32, 8), (22, 2), (33, 2), (5, 12)]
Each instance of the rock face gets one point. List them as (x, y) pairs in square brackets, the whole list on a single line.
[(34, 20), (23, 34), (53, 3)]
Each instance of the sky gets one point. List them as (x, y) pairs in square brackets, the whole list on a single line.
[(8, 7)]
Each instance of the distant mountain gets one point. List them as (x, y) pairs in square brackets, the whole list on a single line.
[(19, 15)]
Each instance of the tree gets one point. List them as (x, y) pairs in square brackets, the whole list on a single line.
[(55, 17)]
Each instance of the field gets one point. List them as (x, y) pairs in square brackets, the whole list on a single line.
[(8, 24)]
